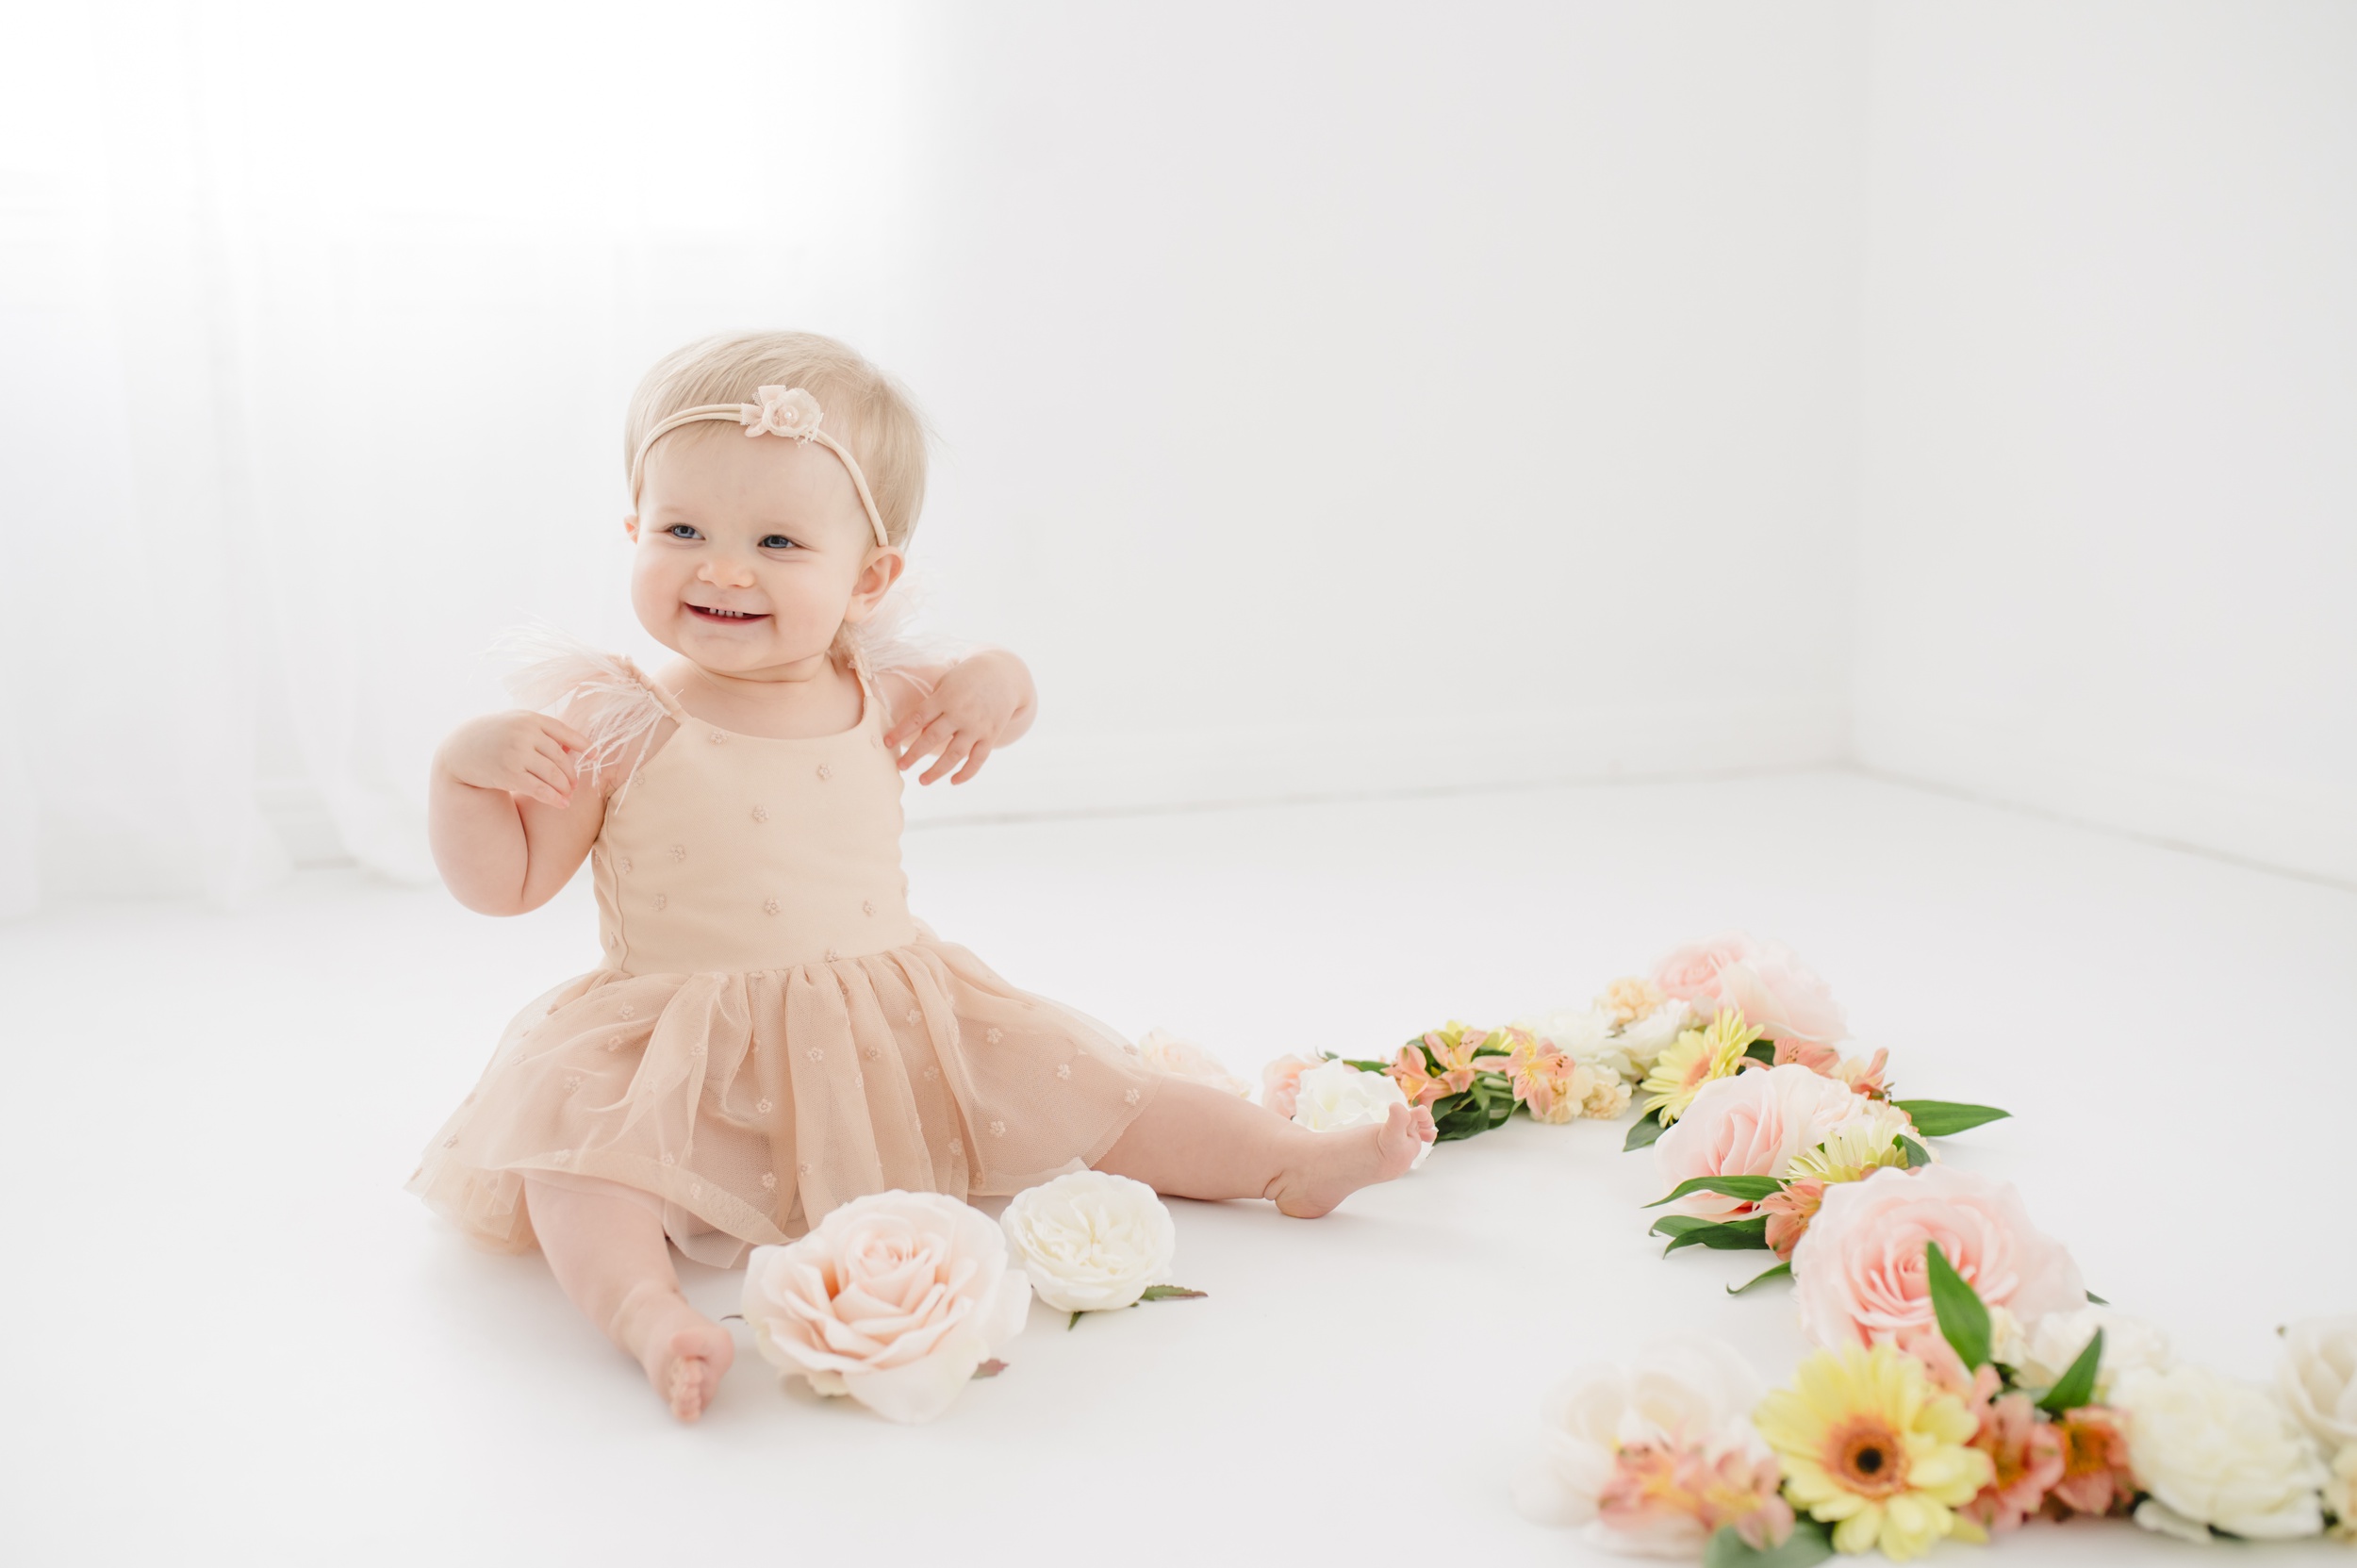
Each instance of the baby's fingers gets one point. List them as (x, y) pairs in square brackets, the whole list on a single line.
[(936, 736), (545, 782), (563, 734), (973, 763), (552, 750), (909, 724), (953, 753)]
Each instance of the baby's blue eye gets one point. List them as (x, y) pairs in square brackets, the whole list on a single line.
[(681, 531), (779, 542)]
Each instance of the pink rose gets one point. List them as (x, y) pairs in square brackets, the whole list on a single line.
[(1280, 1083), (1860, 1272), (894, 1299), (1766, 982), (1751, 1124)]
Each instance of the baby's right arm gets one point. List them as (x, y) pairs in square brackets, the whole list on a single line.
[(508, 818)]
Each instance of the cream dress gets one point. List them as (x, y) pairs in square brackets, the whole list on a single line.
[(773, 1032)]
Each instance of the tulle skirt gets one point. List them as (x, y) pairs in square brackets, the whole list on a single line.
[(743, 1107)]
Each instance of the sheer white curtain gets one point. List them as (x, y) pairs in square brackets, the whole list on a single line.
[(318, 322)]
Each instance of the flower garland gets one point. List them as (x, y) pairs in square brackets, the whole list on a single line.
[(1966, 1379)]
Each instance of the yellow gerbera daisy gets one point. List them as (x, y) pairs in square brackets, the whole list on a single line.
[(1856, 1150), (1698, 1056), (1871, 1447)]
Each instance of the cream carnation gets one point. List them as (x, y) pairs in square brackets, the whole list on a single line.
[(1166, 1053), (894, 1299), (1860, 1274), (1586, 1035), (2317, 1378), (1280, 1082), (1091, 1241), (1336, 1095), (1677, 1394), (2213, 1451), (1751, 1124), (2054, 1340), (2340, 1495)]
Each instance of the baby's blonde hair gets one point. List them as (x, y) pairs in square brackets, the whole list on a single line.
[(866, 409)]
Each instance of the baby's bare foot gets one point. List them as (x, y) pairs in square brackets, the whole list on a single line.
[(684, 1352), (1332, 1166)]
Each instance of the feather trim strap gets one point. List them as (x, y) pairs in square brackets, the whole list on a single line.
[(890, 643), (603, 695)]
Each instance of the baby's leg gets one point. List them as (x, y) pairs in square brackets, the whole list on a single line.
[(613, 1259), (1193, 1141)]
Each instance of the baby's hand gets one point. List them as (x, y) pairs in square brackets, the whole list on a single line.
[(524, 753), (977, 703)]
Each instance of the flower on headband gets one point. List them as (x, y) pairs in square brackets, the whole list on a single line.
[(782, 411)]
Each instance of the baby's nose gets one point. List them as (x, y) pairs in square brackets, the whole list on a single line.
[(725, 570)]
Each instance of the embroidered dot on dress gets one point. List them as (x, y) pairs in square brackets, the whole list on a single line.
[(769, 906), (914, 1014), (663, 900), (769, 1180), (871, 1053), (998, 1130), (957, 1145), (816, 1054), (992, 1035), (825, 772), (761, 814), (695, 1189), (1063, 1069), (859, 1080), (717, 737), (933, 1074), (670, 1159), (801, 1167), (625, 862), (763, 1107), (1129, 1096), (831, 955), (867, 906), (679, 852)]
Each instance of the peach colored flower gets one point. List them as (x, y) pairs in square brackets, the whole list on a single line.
[(2095, 1474), (1821, 1060), (1860, 1273), (1280, 1082), (2028, 1456), (1660, 1498), (1751, 1124), (1444, 1063), (1790, 1213), (1865, 1075), (893, 1298), (1630, 999), (1766, 982)]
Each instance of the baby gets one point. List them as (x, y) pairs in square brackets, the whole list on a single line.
[(773, 1032)]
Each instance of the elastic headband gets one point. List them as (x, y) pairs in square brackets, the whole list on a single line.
[(782, 411)]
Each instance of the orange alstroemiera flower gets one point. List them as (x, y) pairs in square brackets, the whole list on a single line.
[(2028, 1456), (1790, 1213), (1651, 1481), (2095, 1473), (1443, 1062)]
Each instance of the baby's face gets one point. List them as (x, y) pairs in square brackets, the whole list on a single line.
[(751, 551)]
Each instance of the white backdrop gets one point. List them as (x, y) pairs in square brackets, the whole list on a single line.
[(2110, 513), (1329, 400)]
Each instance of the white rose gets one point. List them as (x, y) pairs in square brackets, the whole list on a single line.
[(1678, 1391), (2317, 1378), (1335, 1094), (1166, 1053), (1654, 1033), (1091, 1241), (2054, 1340), (894, 1299), (2340, 1495), (1584, 1034), (2215, 1451)]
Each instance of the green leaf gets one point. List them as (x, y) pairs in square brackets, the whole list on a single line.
[(1172, 1293), (2078, 1384), (1749, 1188), (1937, 1118), (1962, 1317), (1677, 1225), (1762, 1052), (1738, 1235), (1073, 1324), (1810, 1543), (1363, 1067), (1918, 1156), (1644, 1133), (1782, 1271), (2097, 1300)]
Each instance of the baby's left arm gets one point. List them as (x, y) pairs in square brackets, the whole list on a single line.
[(961, 711)]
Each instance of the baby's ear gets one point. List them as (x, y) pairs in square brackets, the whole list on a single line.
[(629, 526), (875, 580)]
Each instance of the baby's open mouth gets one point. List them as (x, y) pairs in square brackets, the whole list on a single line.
[(728, 617)]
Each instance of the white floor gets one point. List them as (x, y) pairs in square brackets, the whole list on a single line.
[(232, 1338)]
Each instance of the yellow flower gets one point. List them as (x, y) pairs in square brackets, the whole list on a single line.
[(1699, 1056), (1871, 1447), (1856, 1150)]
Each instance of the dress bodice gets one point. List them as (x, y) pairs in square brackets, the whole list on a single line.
[(727, 853)]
